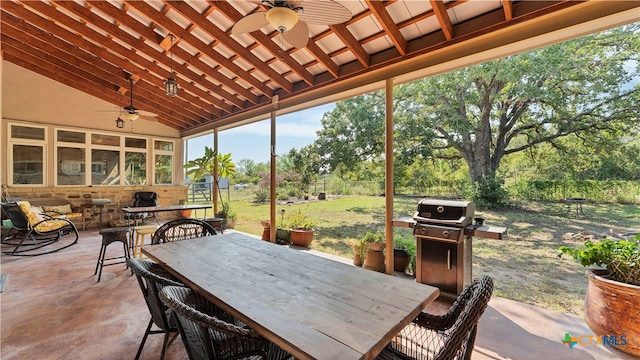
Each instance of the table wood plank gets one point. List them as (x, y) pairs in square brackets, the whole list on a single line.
[(311, 306)]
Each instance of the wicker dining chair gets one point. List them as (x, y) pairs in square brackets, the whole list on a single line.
[(152, 278), (209, 333), (182, 229), (444, 337)]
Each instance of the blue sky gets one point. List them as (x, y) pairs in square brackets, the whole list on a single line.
[(294, 130)]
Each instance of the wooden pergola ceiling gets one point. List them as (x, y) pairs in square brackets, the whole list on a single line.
[(95, 46)]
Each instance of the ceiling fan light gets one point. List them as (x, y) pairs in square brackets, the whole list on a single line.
[(171, 86), (282, 18), (130, 116), (119, 123)]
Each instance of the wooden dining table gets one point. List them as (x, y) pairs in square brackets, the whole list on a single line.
[(311, 306)]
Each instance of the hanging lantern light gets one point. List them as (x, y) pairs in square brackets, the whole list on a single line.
[(171, 85)]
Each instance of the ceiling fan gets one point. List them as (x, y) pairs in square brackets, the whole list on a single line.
[(290, 18), (131, 112)]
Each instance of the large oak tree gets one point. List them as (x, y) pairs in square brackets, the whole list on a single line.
[(483, 113)]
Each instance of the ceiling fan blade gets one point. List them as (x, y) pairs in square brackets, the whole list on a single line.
[(250, 23), (147, 114), (323, 12), (298, 36), (148, 118)]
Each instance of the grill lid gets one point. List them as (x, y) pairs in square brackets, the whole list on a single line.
[(459, 213)]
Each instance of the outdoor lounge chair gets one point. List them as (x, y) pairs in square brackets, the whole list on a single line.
[(182, 229), (209, 333), (32, 231), (152, 278), (440, 337)]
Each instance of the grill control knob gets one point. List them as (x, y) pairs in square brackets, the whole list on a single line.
[(445, 234), (440, 209)]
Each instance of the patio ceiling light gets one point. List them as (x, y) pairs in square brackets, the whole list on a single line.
[(171, 85), (130, 116), (282, 18), (119, 123)]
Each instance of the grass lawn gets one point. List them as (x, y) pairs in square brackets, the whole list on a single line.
[(525, 266)]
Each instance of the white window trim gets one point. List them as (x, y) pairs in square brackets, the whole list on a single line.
[(28, 142)]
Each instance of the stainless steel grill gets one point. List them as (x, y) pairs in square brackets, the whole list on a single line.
[(441, 241)]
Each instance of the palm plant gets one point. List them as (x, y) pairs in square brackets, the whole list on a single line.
[(204, 165)]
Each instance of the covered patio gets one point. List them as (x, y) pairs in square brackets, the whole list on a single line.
[(86, 83), (56, 309)]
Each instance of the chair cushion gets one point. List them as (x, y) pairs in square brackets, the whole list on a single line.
[(59, 209), (34, 215)]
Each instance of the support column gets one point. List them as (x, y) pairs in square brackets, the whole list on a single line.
[(272, 201), (214, 196), (389, 189)]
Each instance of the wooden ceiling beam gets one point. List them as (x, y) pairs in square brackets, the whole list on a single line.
[(384, 19), (323, 58), (78, 39), (234, 15), (234, 47), (443, 18), (62, 75), (206, 49), (79, 59), (507, 5), (138, 45), (56, 65), (351, 43)]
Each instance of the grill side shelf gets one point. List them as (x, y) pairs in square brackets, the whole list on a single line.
[(487, 232)]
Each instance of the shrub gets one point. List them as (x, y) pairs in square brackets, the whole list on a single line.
[(621, 257)]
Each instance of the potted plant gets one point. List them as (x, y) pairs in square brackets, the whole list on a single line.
[(613, 292), (404, 253), (358, 252), (283, 235), (186, 213), (204, 165), (300, 227), (374, 244)]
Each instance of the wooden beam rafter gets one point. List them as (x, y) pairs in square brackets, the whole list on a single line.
[(443, 18), (384, 19)]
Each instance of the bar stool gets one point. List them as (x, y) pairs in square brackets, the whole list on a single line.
[(141, 231), (109, 236)]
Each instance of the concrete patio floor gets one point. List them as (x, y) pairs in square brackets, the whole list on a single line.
[(53, 308)]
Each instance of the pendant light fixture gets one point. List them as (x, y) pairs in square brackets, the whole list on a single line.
[(171, 85), (119, 121)]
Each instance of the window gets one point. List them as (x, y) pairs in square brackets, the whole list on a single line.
[(105, 167), (163, 161), (27, 132), (163, 167), (135, 167), (71, 168), (28, 164), (85, 157), (27, 154)]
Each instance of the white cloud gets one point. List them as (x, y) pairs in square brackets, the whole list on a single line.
[(302, 124)]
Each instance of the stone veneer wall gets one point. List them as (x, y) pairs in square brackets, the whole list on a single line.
[(121, 195)]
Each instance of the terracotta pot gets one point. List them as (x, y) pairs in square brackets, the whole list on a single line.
[(266, 230), (374, 260), (611, 309), (231, 223), (185, 213), (357, 258), (302, 237), (400, 260)]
